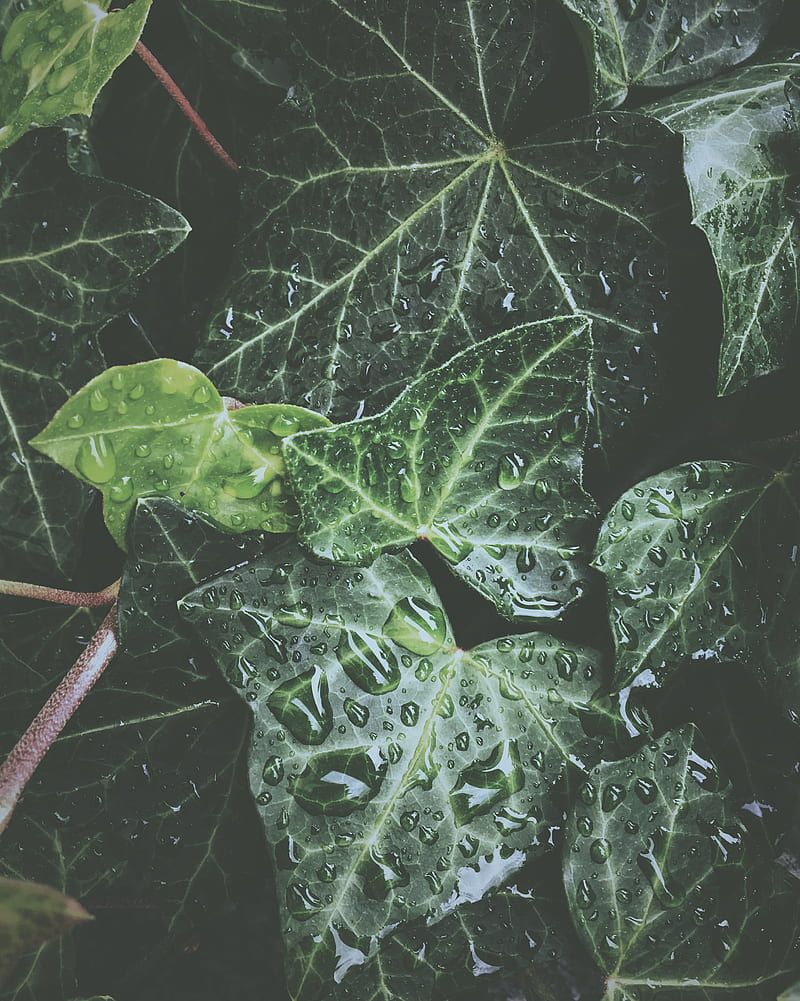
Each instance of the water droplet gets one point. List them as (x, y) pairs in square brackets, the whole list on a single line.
[(297, 615), (511, 470), (273, 770), (337, 783), (600, 851), (202, 394), (417, 625), (356, 713), (485, 783), (302, 705), (613, 795), (122, 490), (368, 662), (382, 872), (96, 459)]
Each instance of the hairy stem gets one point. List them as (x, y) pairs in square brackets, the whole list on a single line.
[(186, 108), (80, 599), (54, 715)]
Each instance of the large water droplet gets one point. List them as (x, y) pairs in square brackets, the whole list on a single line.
[(511, 470), (382, 872), (96, 459), (302, 705), (337, 783), (417, 625), (368, 662), (485, 784)]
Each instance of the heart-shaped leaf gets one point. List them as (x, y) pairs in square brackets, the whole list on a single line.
[(740, 169), (71, 251), (171, 551), (638, 43), (31, 914), (58, 56), (386, 761), (379, 244), (701, 563), (160, 427), (662, 889), (482, 457)]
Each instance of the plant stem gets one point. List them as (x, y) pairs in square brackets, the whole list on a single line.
[(186, 108), (54, 715), (80, 599)]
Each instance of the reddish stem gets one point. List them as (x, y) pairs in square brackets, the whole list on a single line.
[(54, 715), (80, 599), (182, 101)]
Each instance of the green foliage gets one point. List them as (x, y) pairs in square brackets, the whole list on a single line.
[(160, 427), (57, 57)]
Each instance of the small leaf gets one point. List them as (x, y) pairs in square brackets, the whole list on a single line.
[(481, 457), (30, 915), (639, 43), (700, 563), (663, 887), (57, 57), (387, 762), (741, 170), (160, 427)]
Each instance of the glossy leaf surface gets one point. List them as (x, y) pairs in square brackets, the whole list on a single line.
[(377, 244), (664, 888), (57, 57), (701, 564), (385, 761), (160, 427), (665, 43), (482, 457), (72, 249), (741, 170)]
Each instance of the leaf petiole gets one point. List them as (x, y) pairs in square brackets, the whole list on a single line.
[(80, 599)]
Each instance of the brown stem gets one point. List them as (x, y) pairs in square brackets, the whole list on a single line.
[(231, 403), (186, 108), (54, 715), (80, 599)]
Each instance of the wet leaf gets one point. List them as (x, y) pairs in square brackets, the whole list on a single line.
[(481, 457), (171, 551), (700, 563), (56, 58), (376, 245), (665, 43), (250, 35), (160, 427), (741, 169), (664, 888), (31, 914), (396, 775), (72, 249)]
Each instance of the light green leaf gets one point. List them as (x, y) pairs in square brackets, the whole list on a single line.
[(792, 994), (642, 43), (664, 886), (250, 34), (482, 457), (387, 762), (31, 914), (701, 562), (57, 57), (72, 249), (160, 427), (740, 169), (377, 244)]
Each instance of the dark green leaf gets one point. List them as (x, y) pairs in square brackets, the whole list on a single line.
[(71, 249), (250, 35), (641, 43), (739, 172), (31, 914), (171, 551), (481, 457), (663, 887), (160, 427), (58, 56), (378, 243), (701, 563), (387, 761)]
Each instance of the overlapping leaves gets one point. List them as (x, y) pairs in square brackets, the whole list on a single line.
[(401, 213), (387, 762), (481, 457), (160, 427)]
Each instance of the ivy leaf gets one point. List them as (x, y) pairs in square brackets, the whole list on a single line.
[(31, 914), (57, 57), (71, 251), (740, 172), (171, 551), (481, 457), (251, 34), (160, 427), (662, 889), (378, 245), (386, 760), (700, 563), (633, 43), (792, 994)]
